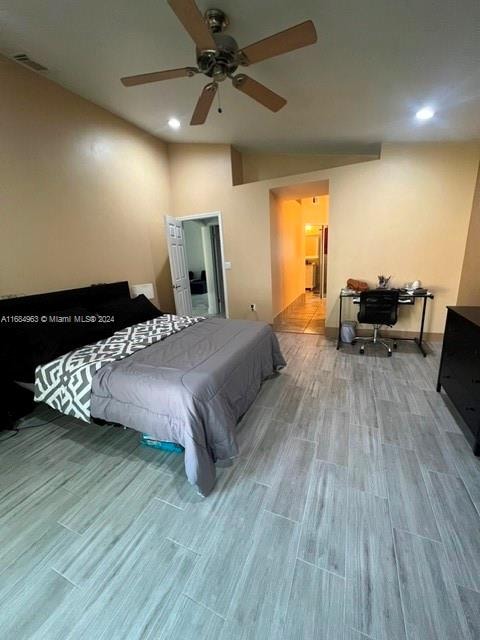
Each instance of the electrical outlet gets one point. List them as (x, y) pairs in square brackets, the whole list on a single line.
[(253, 307)]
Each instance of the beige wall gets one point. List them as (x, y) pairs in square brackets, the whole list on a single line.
[(237, 166), (406, 214), (83, 193), (201, 182), (265, 166), (315, 213), (287, 251), (469, 291)]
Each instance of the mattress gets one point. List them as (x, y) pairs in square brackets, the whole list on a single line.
[(191, 388)]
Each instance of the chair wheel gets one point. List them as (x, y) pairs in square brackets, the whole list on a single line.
[(362, 351), (389, 354), (395, 345)]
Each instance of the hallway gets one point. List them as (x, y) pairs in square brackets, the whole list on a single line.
[(305, 315)]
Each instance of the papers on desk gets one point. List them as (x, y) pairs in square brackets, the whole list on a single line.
[(419, 291)]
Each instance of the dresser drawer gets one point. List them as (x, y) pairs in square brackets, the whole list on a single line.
[(460, 369), (463, 358), (465, 403)]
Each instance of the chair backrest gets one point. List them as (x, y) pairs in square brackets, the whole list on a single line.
[(379, 306)]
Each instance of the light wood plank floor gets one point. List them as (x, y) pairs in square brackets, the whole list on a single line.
[(351, 513), (305, 315)]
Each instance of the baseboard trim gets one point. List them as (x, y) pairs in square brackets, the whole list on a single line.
[(332, 332)]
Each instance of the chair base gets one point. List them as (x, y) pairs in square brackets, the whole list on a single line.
[(375, 339)]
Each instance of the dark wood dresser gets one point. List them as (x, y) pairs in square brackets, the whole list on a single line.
[(459, 371)]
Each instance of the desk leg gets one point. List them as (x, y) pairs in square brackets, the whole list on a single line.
[(339, 337), (419, 340)]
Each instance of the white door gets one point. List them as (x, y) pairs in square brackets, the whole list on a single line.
[(178, 266)]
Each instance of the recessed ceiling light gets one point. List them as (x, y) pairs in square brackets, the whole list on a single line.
[(425, 113), (173, 123)]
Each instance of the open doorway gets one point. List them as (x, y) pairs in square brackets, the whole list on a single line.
[(299, 249), (196, 253)]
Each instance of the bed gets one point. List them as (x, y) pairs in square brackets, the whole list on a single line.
[(190, 386)]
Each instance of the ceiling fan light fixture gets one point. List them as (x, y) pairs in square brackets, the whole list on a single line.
[(219, 73), (174, 123)]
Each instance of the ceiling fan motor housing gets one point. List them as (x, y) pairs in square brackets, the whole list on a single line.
[(221, 62), (216, 20)]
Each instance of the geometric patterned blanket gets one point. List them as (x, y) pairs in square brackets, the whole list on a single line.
[(66, 382)]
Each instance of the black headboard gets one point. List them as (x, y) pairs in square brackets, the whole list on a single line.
[(88, 297), (18, 341)]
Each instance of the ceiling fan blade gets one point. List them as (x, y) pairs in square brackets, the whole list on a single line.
[(204, 103), (296, 37), (193, 22), (259, 92), (156, 76)]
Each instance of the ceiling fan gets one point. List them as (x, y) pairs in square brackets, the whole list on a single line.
[(218, 56)]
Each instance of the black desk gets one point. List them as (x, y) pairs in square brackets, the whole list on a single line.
[(404, 299)]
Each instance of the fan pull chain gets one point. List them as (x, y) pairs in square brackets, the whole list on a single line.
[(219, 108)]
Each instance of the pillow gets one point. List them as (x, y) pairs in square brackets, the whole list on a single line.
[(126, 313), (146, 309)]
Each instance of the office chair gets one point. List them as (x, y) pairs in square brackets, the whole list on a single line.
[(378, 307)]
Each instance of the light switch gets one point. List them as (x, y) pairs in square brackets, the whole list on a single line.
[(227, 265)]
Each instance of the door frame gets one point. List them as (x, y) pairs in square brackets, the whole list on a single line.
[(218, 215)]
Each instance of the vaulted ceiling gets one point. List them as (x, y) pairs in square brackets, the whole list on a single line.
[(375, 64)]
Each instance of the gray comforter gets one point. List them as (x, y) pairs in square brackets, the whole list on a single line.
[(191, 388)]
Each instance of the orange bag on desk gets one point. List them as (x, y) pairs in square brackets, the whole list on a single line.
[(357, 285)]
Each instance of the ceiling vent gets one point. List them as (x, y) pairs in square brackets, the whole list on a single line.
[(28, 62)]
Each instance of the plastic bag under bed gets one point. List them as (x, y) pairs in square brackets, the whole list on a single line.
[(172, 447)]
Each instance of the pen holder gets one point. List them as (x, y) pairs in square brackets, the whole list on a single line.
[(383, 281)]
